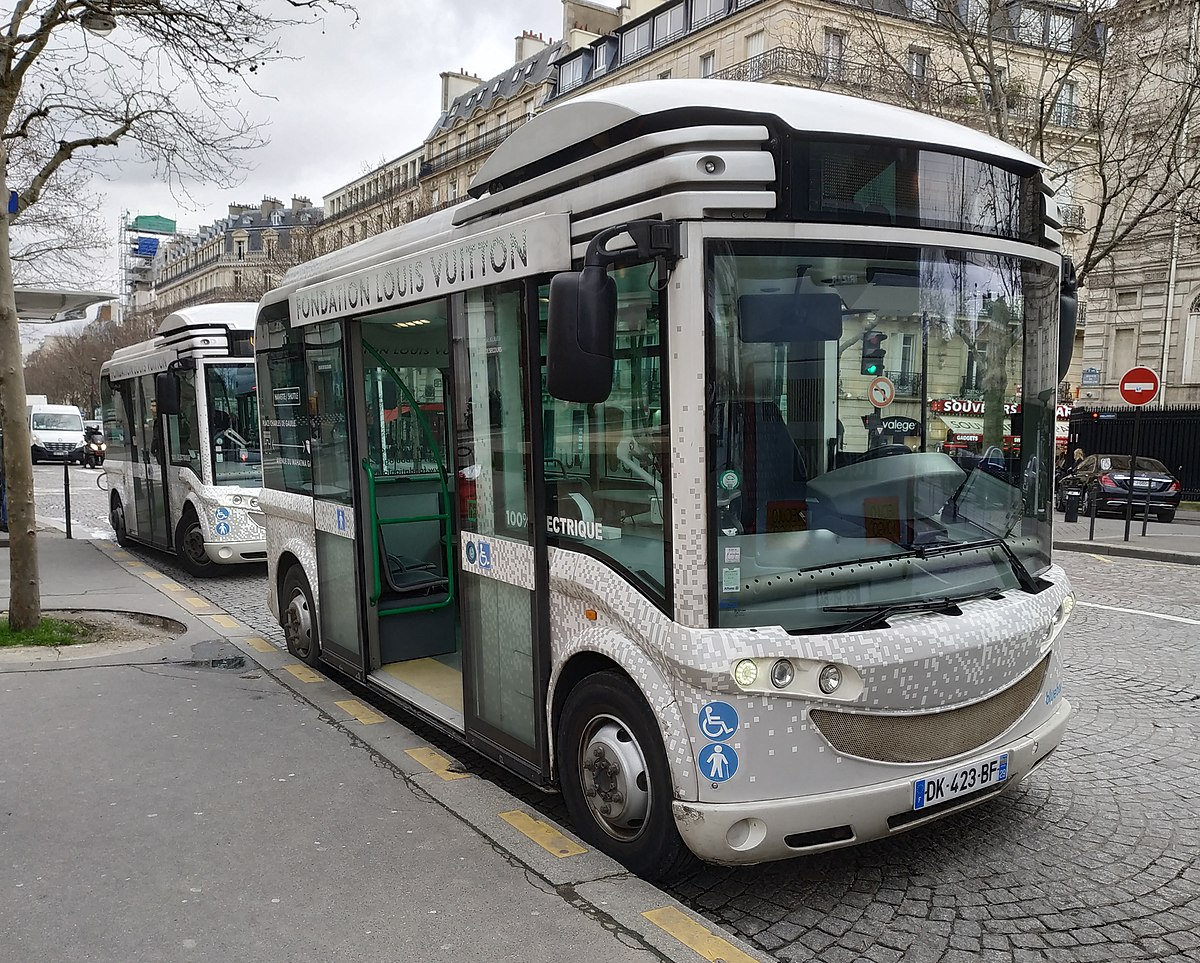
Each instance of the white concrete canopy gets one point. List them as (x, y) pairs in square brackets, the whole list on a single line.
[(53, 304)]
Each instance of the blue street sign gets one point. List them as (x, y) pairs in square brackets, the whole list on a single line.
[(12, 202)]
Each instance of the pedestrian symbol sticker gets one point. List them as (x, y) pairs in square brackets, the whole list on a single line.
[(222, 529), (718, 721), (718, 762), (220, 514)]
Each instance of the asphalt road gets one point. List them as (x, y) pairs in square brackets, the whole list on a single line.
[(1094, 858)]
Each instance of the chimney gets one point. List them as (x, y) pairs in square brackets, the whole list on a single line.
[(300, 203), (237, 210), (528, 44), (455, 84), (270, 204)]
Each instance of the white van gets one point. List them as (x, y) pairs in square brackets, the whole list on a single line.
[(55, 432)]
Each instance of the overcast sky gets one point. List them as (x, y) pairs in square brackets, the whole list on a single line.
[(353, 98)]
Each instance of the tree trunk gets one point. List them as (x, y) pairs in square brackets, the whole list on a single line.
[(25, 606)]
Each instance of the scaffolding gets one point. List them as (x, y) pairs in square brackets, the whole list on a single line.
[(140, 237)]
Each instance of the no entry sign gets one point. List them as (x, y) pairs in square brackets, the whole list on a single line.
[(1139, 386)]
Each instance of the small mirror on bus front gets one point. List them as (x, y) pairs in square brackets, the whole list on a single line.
[(166, 393), (580, 335), (802, 316)]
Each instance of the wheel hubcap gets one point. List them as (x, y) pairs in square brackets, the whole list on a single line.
[(614, 777), (193, 545), (298, 624)]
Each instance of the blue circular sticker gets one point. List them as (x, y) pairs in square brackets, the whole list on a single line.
[(718, 762), (718, 721), (222, 529), (470, 553)]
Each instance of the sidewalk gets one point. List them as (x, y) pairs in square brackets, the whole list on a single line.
[(1178, 542), (207, 798)]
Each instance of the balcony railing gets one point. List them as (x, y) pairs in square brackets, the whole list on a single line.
[(483, 144), (390, 192), (907, 383), (888, 83)]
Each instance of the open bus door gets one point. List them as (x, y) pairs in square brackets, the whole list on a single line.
[(454, 569)]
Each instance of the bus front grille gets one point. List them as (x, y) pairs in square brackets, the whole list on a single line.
[(933, 735)]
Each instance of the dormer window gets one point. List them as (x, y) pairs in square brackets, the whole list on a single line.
[(635, 41), (570, 73)]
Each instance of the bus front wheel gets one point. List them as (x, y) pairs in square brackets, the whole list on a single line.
[(299, 618), (189, 545), (116, 515), (614, 776)]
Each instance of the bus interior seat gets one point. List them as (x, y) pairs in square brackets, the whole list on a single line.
[(412, 554), (780, 470)]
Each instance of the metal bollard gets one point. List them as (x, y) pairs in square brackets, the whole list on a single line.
[(1146, 513), (1092, 527), (67, 491), (1071, 507)]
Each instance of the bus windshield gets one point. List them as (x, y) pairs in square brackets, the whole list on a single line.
[(234, 445), (881, 422)]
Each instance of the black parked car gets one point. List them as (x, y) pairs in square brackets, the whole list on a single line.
[(1106, 480)]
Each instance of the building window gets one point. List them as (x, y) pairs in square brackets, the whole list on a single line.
[(501, 120), (668, 25), (706, 10), (241, 250), (708, 63), (665, 75), (1033, 25), (635, 41), (1128, 298), (1061, 31), (923, 10), (918, 65), (1064, 106), (756, 43), (835, 52), (237, 280)]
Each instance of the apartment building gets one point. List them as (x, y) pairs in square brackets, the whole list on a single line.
[(237, 258)]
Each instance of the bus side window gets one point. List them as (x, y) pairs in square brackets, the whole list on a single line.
[(181, 428)]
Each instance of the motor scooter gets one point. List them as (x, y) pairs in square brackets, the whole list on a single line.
[(94, 447)]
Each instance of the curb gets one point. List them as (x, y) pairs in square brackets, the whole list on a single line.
[(1123, 551), (586, 879)]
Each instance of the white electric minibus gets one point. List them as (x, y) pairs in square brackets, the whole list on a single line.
[(626, 471)]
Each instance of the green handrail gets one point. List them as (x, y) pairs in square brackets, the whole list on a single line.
[(444, 517)]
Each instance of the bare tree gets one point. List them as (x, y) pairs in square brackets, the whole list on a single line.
[(166, 87)]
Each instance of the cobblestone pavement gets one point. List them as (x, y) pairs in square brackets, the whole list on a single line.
[(1096, 857)]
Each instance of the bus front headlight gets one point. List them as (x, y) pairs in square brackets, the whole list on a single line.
[(830, 679), (745, 673)]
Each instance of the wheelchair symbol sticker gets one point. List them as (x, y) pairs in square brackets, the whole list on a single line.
[(485, 554), (718, 762), (718, 721), (220, 514)]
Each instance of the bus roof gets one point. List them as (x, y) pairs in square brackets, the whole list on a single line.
[(810, 111), (235, 315)]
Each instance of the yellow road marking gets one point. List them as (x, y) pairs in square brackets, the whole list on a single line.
[(696, 937), (225, 621), (545, 835), (436, 763), (1101, 558), (120, 555), (259, 644), (135, 565), (172, 587), (196, 602), (303, 673), (364, 714), (155, 575)]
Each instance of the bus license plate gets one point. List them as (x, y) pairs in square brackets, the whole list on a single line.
[(952, 783)]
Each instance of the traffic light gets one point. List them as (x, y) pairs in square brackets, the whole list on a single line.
[(872, 353)]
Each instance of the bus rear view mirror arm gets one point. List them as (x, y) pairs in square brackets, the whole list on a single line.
[(581, 327), (1068, 313)]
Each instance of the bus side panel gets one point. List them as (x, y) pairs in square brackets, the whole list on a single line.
[(290, 530), (631, 632)]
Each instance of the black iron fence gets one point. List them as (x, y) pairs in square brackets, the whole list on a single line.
[(1169, 434)]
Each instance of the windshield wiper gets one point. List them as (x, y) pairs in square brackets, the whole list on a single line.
[(1026, 581), (880, 612)]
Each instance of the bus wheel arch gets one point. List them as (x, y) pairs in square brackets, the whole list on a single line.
[(613, 769), (189, 543), (298, 613)]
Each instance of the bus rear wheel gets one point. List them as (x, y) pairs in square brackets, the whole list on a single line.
[(615, 778), (189, 545), (298, 615), (116, 516)]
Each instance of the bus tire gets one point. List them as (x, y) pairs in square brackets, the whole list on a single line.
[(298, 616), (189, 544), (116, 517), (610, 756)]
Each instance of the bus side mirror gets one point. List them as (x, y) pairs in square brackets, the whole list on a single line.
[(166, 393), (1068, 314), (580, 334)]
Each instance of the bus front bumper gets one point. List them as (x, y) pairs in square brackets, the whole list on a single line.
[(235, 553), (756, 832)]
